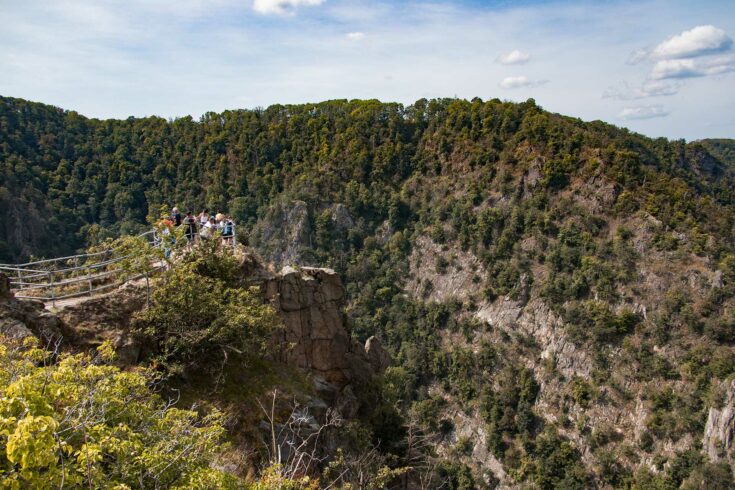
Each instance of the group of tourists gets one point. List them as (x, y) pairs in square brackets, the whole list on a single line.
[(203, 226)]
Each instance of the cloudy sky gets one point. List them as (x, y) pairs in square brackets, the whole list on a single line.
[(662, 68)]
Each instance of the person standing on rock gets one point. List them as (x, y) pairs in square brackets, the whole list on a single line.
[(191, 227), (176, 216), (204, 217), (228, 230), (207, 230)]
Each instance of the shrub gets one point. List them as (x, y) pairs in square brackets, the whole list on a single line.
[(582, 392), (441, 265), (83, 423), (199, 314)]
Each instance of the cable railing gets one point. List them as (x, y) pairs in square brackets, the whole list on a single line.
[(51, 280)]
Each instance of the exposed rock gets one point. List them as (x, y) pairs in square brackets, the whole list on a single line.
[(20, 318), (378, 357), (719, 430), (341, 217), (384, 232), (283, 235), (533, 175), (310, 301), (96, 319), (14, 329), (471, 427), (597, 193), (716, 281), (537, 320), (459, 280)]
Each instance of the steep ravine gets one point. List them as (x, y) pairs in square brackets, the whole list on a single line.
[(616, 416)]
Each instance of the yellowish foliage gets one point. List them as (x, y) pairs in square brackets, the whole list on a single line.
[(75, 421)]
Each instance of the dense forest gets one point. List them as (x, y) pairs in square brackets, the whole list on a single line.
[(615, 251)]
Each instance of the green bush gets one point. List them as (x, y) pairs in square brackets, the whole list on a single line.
[(199, 314)]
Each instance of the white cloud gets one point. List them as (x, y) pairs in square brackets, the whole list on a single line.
[(692, 68), (515, 57), (519, 82), (699, 41), (651, 88), (355, 36), (105, 58), (637, 56), (282, 7), (643, 112)]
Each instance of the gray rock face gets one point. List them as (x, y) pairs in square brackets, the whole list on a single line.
[(283, 235), (459, 280), (537, 319), (341, 217), (719, 431)]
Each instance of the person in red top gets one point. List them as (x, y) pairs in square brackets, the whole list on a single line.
[(165, 228)]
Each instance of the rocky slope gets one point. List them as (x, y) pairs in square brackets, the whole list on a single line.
[(310, 302)]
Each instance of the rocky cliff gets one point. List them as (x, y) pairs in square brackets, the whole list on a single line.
[(596, 413), (309, 301)]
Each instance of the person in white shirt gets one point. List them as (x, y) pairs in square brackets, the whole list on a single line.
[(203, 217), (208, 229)]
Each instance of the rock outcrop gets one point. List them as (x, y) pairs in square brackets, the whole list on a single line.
[(719, 432), (22, 318), (283, 235), (107, 317), (310, 301), (428, 282), (378, 357), (341, 218)]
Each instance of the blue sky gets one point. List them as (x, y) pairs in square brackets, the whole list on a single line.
[(662, 68)]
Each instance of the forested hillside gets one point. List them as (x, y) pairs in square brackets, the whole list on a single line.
[(559, 295)]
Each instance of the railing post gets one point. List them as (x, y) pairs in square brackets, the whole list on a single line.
[(51, 285), (89, 280), (20, 279)]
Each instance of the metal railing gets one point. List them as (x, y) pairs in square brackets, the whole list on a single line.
[(60, 278), (52, 280)]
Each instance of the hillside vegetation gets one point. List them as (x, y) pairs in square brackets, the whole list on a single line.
[(558, 295)]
